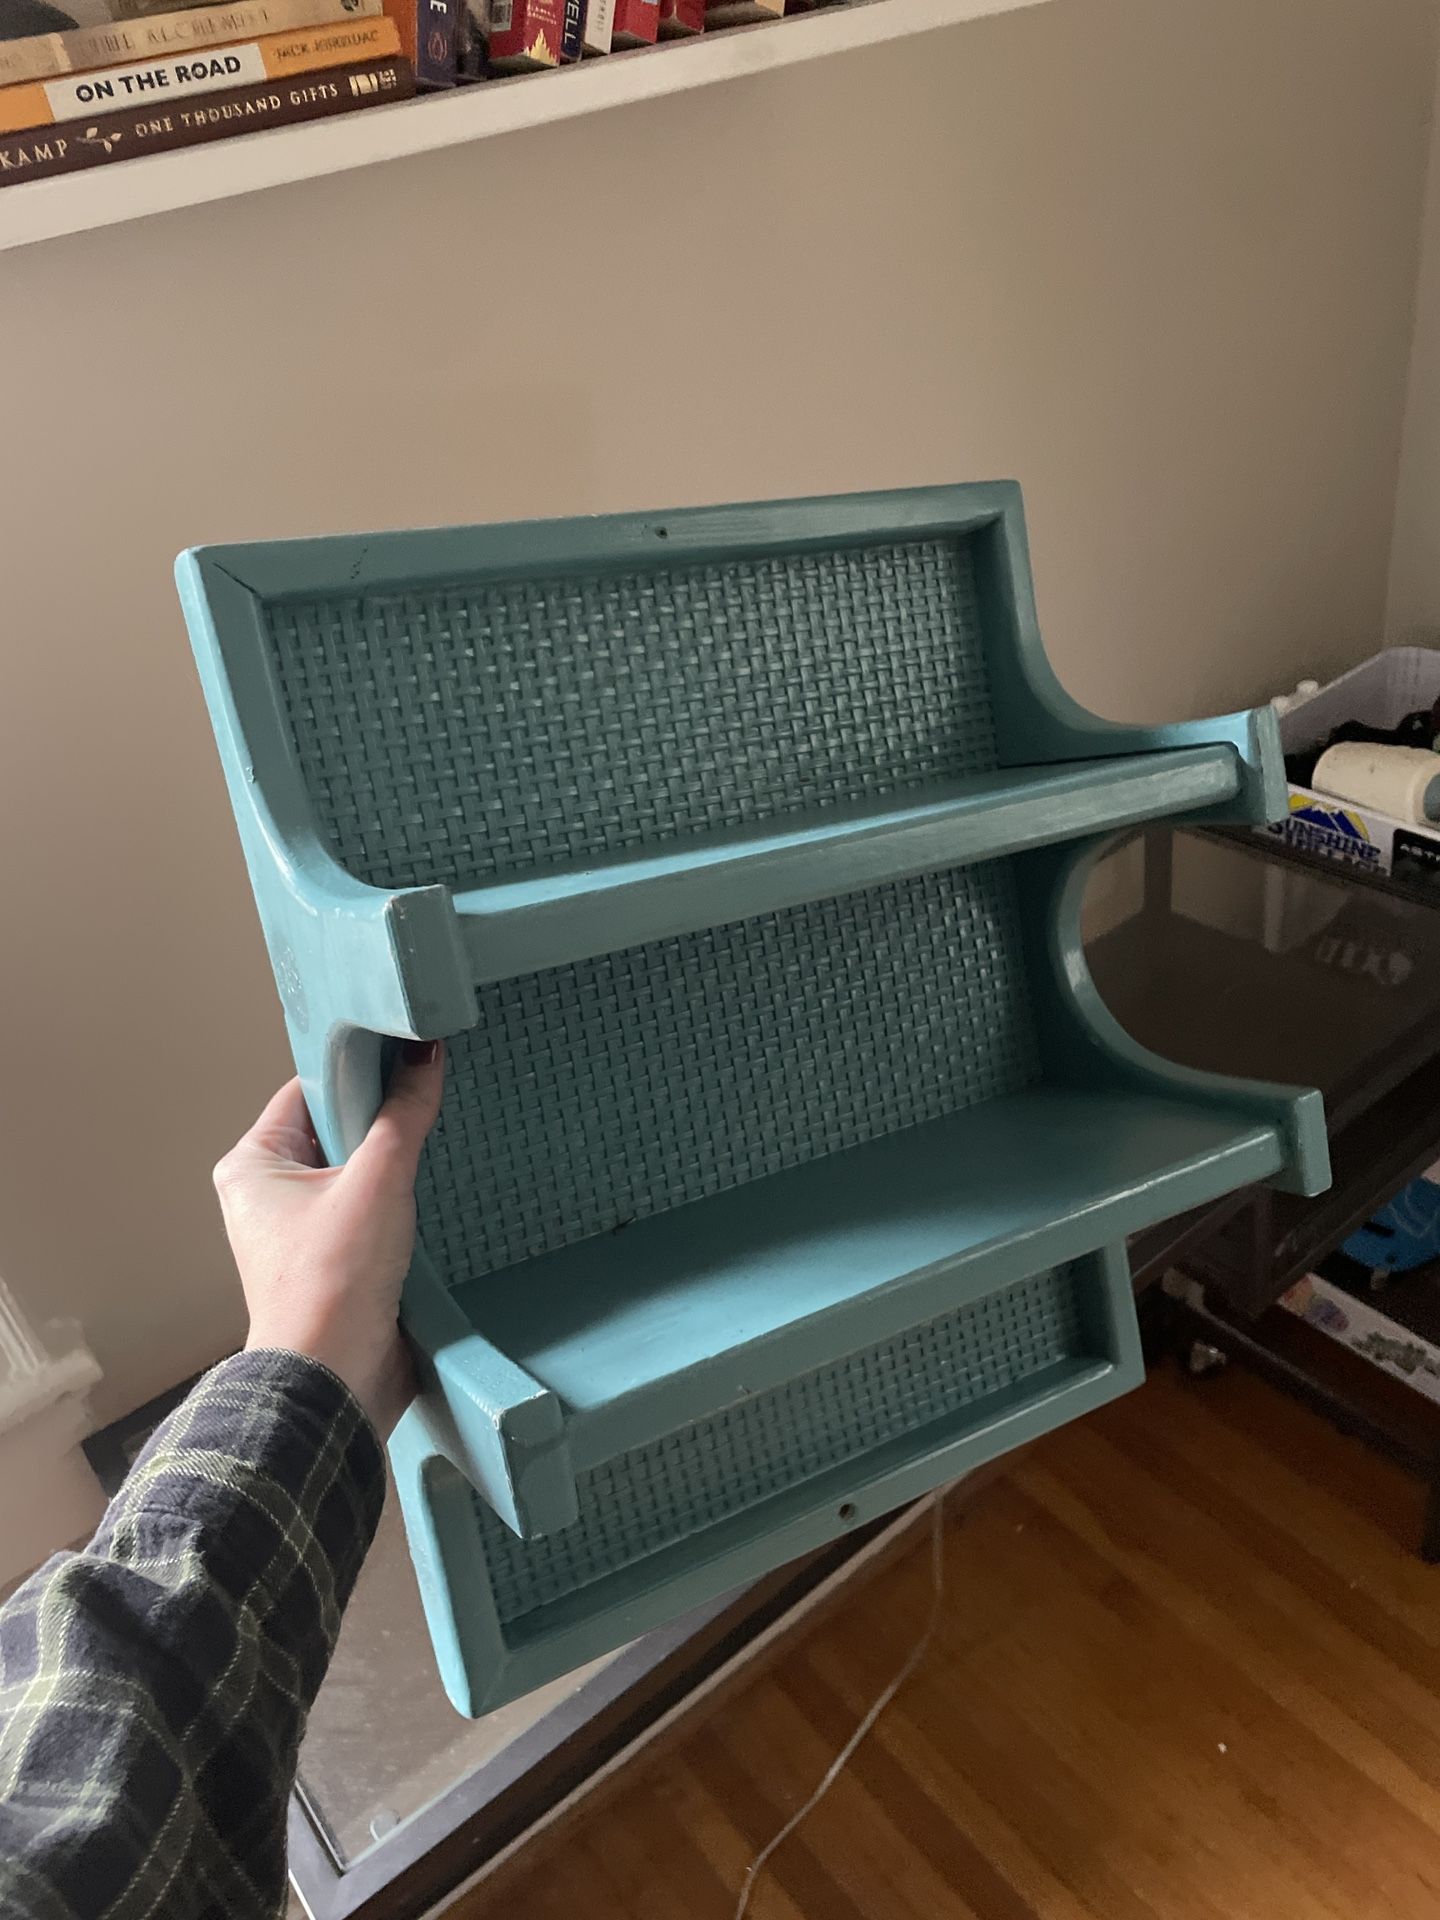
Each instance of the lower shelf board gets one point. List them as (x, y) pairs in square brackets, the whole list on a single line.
[(884, 1235), (717, 1502)]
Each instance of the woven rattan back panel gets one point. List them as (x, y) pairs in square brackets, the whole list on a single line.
[(475, 731)]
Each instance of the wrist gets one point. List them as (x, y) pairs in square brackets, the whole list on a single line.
[(374, 1367)]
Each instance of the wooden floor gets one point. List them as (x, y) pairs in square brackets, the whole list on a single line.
[(1188, 1669)]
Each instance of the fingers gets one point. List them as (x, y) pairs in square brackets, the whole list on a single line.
[(285, 1109), (412, 1106), (283, 1128)]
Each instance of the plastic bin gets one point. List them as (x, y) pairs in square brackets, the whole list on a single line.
[(1316, 826)]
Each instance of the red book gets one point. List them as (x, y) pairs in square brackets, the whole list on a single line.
[(525, 34), (735, 13), (680, 18), (637, 22)]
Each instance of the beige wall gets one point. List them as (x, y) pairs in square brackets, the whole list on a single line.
[(1412, 615), (1154, 259)]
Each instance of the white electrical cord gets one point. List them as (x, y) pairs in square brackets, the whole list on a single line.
[(842, 1759)]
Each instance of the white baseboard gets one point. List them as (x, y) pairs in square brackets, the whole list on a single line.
[(49, 1496)]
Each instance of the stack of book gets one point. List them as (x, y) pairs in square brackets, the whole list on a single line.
[(106, 80), (79, 94), (527, 36)]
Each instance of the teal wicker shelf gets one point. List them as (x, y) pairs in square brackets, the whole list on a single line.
[(787, 1154)]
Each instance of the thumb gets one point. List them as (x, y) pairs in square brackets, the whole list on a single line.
[(283, 1132), (411, 1107)]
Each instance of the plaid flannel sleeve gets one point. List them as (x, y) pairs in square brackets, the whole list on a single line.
[(154, 1687)]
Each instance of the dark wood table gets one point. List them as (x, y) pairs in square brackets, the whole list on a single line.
[(1222, 953)]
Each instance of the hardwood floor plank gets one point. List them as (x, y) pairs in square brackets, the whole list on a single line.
[(1003, 1841), (1166, 1744), (799, 1868), (873, 1848), (1335, 1500), (1187, 1669), (1368, 1710), (1022, 1777), (728, 1851), (964, 1870), (1177, 1516)]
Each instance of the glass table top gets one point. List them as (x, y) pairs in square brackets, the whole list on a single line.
[(383, 1742), (1217, 954)]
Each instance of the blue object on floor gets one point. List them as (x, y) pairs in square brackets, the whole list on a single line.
[(1404, 1234), (788, 1154)]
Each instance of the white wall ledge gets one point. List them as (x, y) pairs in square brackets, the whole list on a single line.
[(131, 189)]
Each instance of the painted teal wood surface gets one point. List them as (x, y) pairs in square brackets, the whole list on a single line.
[(742, 1291), (572, 913), (787, 1153)]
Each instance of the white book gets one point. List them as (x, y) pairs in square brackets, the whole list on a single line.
[(599, 25)]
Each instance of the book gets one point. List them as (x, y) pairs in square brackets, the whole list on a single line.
[(139, 9), (599, 25), (524, 34), (429, 38), (83, 48), (21, 19), (735, 13), (470, 41), (636, 23), (44, 103), (157, 128), (572, 31), (680, 18)]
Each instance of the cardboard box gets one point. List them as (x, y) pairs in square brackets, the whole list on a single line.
[(637, 22), (524, 35), (680, 18), (1380, 692), (1373, 1335)]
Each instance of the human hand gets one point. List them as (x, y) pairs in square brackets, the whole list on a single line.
[(323, 1251)]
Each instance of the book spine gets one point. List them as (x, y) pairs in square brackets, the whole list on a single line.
[(153, 82), (437, 28), (636, 24), (159, 128), (680, 18), (599, 25), (738, 13), (84, 48), (524, 34), (572, 32), (470, 41)]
